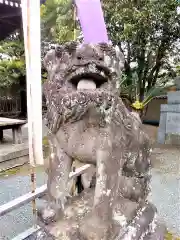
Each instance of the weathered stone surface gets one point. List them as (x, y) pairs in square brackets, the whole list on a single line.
[(169, 127), (174, 97), (13, 155), (173, 139), (40, 235), (173, 123), (88, 121), (11, 122), (71, 223), (177, 82), (170, 108), (162, 128), (9, 151), (15, 125)]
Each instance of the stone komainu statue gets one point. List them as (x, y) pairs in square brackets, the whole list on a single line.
[(88, 121)]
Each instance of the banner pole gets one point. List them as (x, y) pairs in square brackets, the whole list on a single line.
[(32, 43)]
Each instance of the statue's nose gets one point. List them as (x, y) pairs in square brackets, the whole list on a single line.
[(88, 53)]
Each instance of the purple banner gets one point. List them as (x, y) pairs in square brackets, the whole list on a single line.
[(92, 22)]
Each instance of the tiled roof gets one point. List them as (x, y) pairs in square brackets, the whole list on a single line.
[(10, 16), (11, 3), (15, 3)]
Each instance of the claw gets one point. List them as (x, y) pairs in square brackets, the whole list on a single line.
[(62, 199)]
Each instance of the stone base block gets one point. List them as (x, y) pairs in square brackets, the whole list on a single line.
[(72, 223), (173, 139)]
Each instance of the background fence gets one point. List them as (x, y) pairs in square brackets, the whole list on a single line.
[(10, 106)]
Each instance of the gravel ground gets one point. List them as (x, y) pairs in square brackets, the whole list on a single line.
[(165, 191), (21, 219), (165, 184)]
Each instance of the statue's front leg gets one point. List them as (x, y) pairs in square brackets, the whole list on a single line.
[(57, 184), (97, 224)]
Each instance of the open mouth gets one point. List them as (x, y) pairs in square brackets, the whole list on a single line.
[(84, 80)]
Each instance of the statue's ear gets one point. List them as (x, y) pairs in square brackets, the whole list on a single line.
[(52, 57), (71, 46), (49, 60)]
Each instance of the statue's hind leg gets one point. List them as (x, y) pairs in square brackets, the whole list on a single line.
[(57, 184)]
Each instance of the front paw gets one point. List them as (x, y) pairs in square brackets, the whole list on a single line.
[(48, 214), (62, 199)]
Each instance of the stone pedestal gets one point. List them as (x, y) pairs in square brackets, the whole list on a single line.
[(71, 224), (169, 128)]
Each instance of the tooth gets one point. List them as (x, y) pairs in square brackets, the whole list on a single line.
[(86, 84), (102, 73)]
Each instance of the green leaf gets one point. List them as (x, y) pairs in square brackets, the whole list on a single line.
[(12, 69)]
